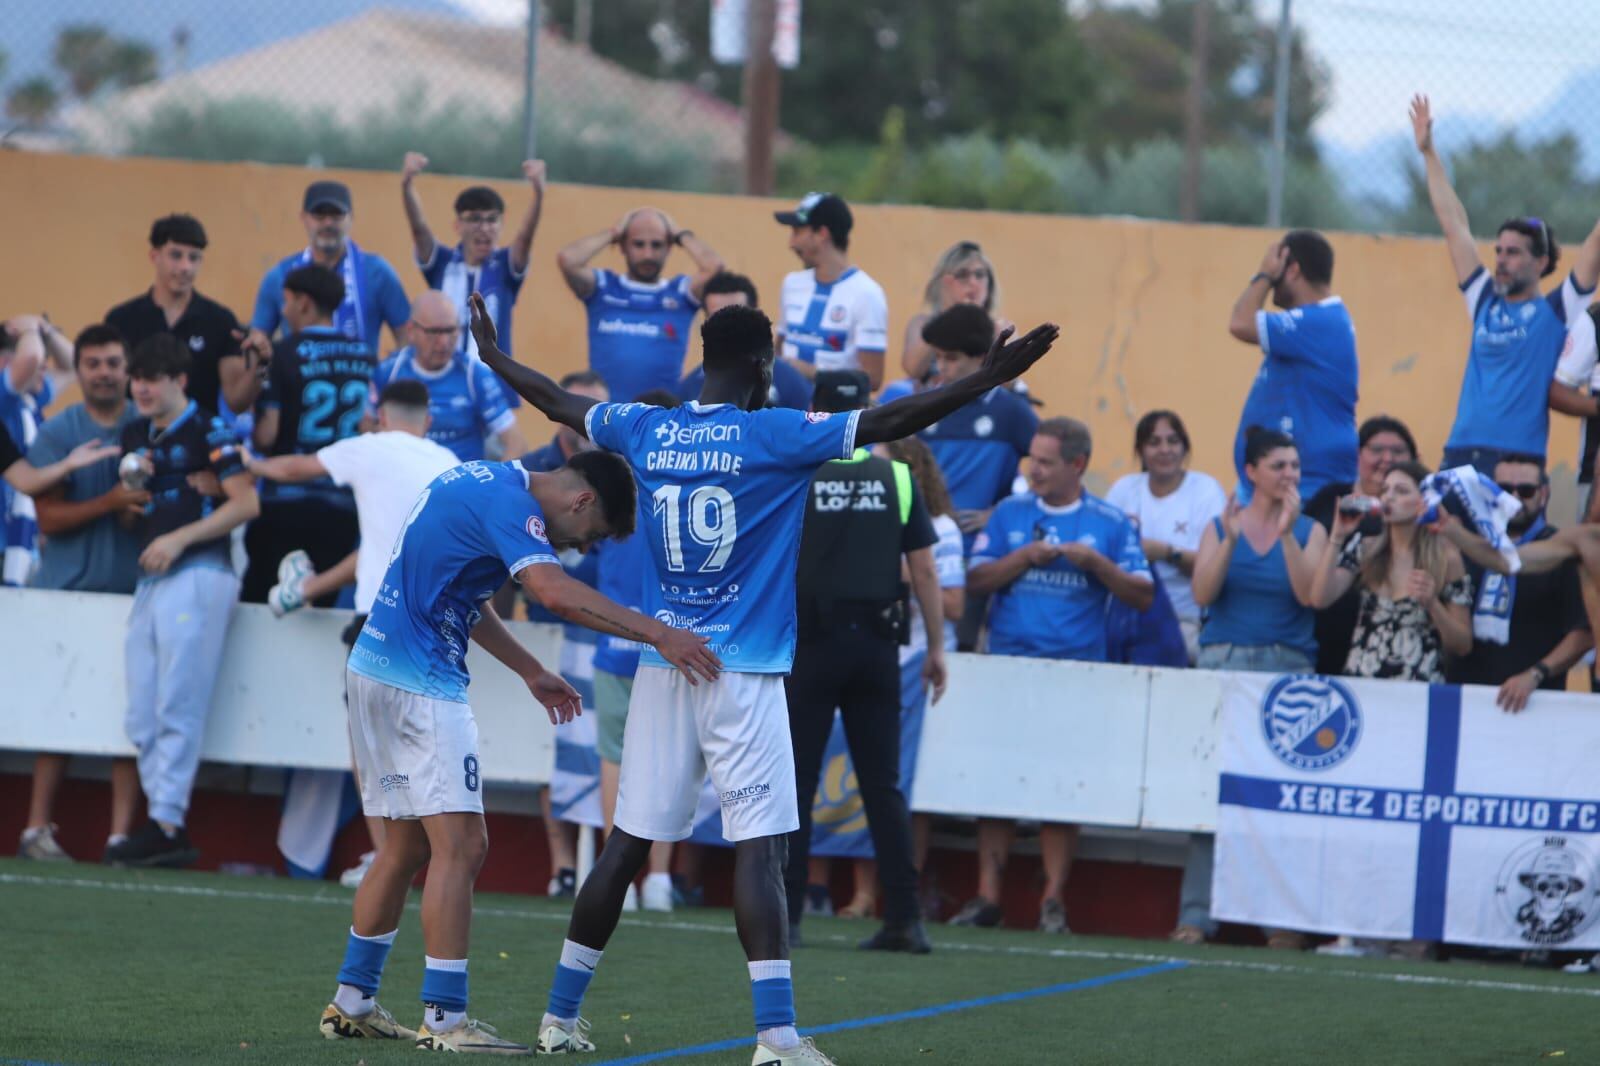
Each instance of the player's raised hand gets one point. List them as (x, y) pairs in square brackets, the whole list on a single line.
[(1008, 360), (483, 330), (689, 654), (561, 701), (533, 170), (414, 163)]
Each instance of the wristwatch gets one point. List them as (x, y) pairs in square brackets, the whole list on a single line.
[(1541, 671)]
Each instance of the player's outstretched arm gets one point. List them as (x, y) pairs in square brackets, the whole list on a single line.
[(289, 469), (554, 402), (572, 600), (561, 701), (1006, 361)]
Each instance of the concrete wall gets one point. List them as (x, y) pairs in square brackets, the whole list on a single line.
[(1144, 305)]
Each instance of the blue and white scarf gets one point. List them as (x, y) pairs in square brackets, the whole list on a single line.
[(1487, 510), (350, 318)]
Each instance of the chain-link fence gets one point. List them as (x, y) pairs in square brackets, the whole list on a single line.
[(1156, 108)]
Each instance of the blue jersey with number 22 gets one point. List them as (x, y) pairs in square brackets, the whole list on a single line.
[(471, 527), (724, 491)]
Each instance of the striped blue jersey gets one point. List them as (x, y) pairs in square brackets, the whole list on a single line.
[(829, 323)]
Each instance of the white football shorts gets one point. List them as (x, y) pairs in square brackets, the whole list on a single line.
[(736, 727), (415, 756)]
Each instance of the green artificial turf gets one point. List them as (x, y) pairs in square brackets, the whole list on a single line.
[(103, 966)]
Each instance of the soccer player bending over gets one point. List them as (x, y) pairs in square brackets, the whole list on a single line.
[(413, 735), (727, 482)]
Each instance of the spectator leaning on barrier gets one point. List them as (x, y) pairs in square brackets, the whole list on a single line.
[(1171, 505), (1309, 378), (963, 275), (222, 375), (1517, 333), (790, 388), (834, 317), (1549, 632), (475, 264), (373, 294), (1415, 595), (467, 405), (1253, 576), (186, 591), (1052, 558), (1384, 442), (85, 549), (386, 471), (315, 394), (865, 515), (638, 321)]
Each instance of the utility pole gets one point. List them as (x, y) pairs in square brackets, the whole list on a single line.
[(1280, 120), (1194, 113), (760, 98), (530, 116)]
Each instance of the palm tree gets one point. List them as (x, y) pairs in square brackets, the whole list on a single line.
[(84, 53), (33, 102)]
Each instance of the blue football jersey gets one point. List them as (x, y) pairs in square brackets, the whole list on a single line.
[(495, 279), (979, 446), (623, 566), (466, 402), (638, 333), (1056, 611), (473, 525), (722, 501)]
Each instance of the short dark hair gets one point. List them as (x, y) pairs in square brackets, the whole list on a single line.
[(964, 328), (1386, 424), (1526, 459), (1147, 429), (479, 198), (581, 377), (612, 480), (1311, 252), (725, 281), (325, 288), (1073, 435), (736, 337), (659, 398), (840, 241), (177, 229), (1540, 236), (158, 356), (405, 392), (96, 336), (1259, 441)]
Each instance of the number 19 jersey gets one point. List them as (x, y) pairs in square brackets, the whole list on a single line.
[(724, 491)]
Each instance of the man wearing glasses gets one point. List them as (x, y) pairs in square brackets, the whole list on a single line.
[(468, 408), (475, 264), (1549, 630)]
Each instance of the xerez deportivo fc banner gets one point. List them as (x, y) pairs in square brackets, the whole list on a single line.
[(1408, 811)]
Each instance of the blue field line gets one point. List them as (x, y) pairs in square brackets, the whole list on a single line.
[(912, 1015)]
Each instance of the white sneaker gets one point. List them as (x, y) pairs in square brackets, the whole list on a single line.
[(805, 1055), (630, 902), (657, 895), (554, 1040), (289, 593), (40, 845), (351, 878)]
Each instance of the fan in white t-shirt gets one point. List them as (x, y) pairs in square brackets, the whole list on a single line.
[(1171, 506)]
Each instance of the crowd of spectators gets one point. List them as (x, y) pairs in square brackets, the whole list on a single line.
[(211, 460)]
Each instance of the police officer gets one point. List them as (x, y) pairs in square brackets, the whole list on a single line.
[(865, 515)]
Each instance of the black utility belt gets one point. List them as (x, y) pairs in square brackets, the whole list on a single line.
[(884, 618)]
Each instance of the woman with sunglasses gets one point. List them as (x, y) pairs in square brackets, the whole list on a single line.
[(963, 275)]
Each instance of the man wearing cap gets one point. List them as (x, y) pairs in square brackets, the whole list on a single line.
[(638, 321), (834, 317), (864, 515), (373, 294)]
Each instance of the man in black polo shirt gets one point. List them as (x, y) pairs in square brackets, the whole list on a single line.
[(864, 516), (1549, 629), (219, 378), (316, 394), (186, 591)]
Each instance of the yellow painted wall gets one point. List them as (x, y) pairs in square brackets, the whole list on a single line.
[(1143, 305)]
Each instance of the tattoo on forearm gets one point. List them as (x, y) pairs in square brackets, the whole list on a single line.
[(620, 628)]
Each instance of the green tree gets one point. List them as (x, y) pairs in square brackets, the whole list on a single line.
[(91, 57), (132, 63), (33, 102), (1505, 179)]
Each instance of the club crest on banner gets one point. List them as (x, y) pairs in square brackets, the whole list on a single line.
[(1310, 722), (1547, 889)]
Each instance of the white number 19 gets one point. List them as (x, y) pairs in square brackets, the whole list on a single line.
[(712, 522)]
